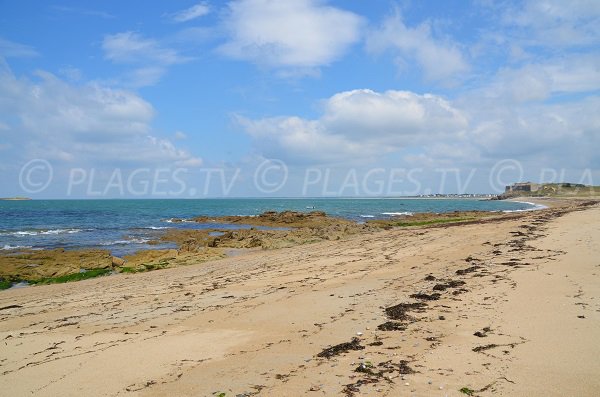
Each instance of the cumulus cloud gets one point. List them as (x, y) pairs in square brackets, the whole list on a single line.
[(359, 124), (289, 34), (195, 11), (441, 59), (300, 140), (88, 123), (364, 125), (53, 105)]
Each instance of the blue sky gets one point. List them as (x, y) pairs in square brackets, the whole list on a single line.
[(414, 97)]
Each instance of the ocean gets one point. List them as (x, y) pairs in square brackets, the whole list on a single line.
[(126, 226)]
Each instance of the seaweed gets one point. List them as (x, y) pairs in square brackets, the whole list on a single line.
[(426, 297), (72, 277), (391, 326), (401, 310), (345, 347)]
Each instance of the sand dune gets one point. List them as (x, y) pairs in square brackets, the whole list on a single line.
[(507, 308)]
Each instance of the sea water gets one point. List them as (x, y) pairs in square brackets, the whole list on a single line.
[(125, 226)]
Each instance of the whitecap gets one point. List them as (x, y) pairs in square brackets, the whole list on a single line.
[(534, 207), (44, 232), (126, 242), (61, 231), (178, 220), (25, 233), (407, 213), (15, 247)]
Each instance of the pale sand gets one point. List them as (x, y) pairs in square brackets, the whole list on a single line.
[(257, 321)]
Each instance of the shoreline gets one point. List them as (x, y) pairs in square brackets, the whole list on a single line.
[(171, 247), (414, 298), (536, 206)]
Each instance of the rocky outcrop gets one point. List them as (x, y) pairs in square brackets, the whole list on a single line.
[(35, 265), (116, 261), (277, 219)]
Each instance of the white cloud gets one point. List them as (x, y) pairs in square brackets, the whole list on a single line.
[(539, 81), (289, 34), (71, 73), (556, 22), (529, 83), (52, 106), (150, 56), (367, 126), (300, 140), (195, 11), (87, 124), (131, 47), (575, 73), (10, 49), (440, 59), (562, 135), (359, 124), (83, 11), (180, 135), (393, 116), (145, 76)]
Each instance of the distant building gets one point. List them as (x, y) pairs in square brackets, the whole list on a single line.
[(523, 187)]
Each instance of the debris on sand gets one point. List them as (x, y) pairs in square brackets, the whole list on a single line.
[(345, 347), (392, 326), (482, 333), (471, 269), (404, 369), (449, 284), (484, 348), (401, 310), (426, 297)]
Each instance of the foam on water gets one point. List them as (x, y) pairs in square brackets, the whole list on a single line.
[(8, 247), (126, 242), (42, 232), (534, 207)]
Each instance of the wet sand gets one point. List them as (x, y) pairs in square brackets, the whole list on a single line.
[(509, 307)]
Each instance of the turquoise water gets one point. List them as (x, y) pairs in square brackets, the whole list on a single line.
[(125, 226)]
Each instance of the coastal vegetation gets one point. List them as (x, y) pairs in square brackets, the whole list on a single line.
[(83, 275), (5, 284), (431, 219), (559, 190)]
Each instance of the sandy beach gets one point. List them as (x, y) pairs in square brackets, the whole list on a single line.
[(506, 308)]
